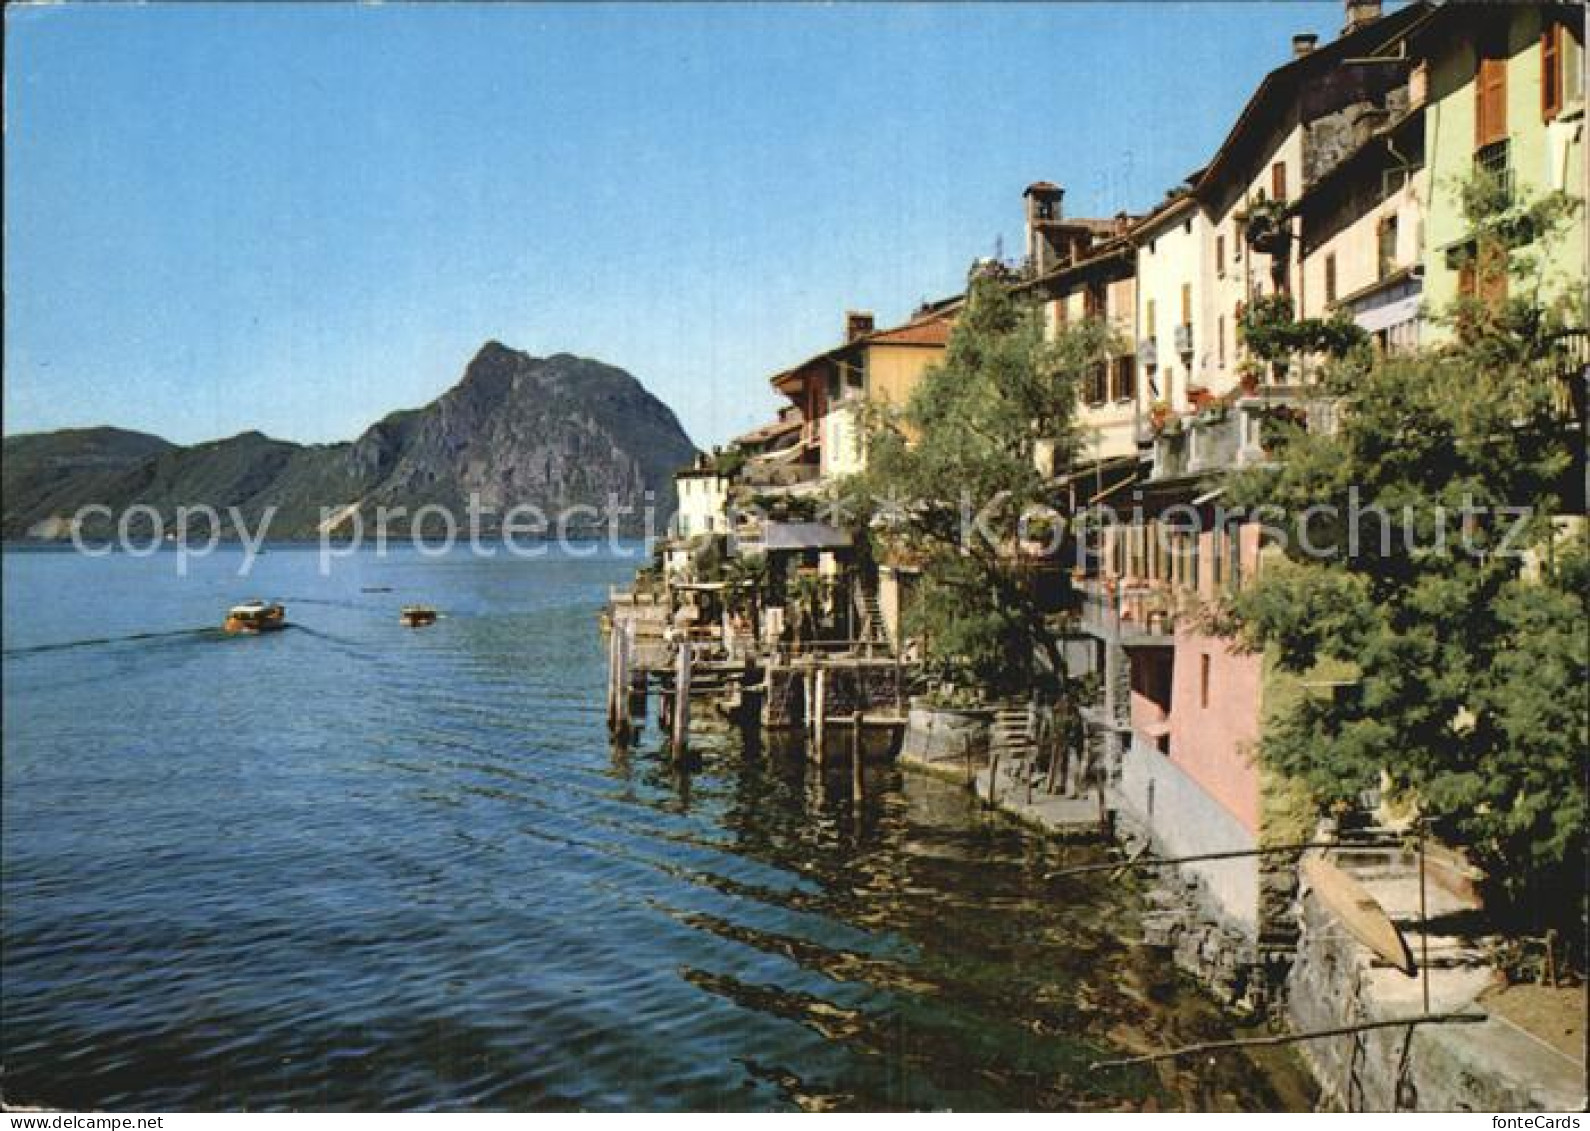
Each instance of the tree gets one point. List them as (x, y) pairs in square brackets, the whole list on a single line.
[(1464, 622), (962, 447)]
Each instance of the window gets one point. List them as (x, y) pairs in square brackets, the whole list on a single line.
[(1186, 304), (1386, 247), (1094, 388), (1330, 278), (1278, 180), (1495, 160), (1490, 96), (1203, 680), (856, 376), (1093, 301), (1124, 379), (1483, 275), (1149, 318), (1220, 255), (1220, 339)]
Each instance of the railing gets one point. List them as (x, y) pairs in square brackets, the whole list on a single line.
[(1130, 612), (1568, 370), (1233, 436)]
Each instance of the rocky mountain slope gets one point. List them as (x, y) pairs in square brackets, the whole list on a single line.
[(550, 433)]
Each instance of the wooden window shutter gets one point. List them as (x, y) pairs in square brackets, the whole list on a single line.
[(1278, 180), (1490, 100), (1551, 71), (1186, 304), (1492, 275)]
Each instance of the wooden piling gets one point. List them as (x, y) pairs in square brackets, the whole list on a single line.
[(856, 785), (820, 716), (621, 689), (681, 718), (612, 679)]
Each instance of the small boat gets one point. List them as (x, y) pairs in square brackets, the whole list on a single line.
[(376, 589), (255, 617), (417, 616), (1358, 911)]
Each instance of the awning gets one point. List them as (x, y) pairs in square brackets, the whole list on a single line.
[(804, 536), (1390, 314)]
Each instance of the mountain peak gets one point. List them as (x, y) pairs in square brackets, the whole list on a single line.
[(553, 432)]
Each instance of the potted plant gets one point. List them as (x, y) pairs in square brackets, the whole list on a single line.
[(1248, 375)]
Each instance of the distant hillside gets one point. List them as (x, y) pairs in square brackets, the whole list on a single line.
[(516, 429)]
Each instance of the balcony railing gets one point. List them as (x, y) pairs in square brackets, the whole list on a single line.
[(1232, 436), (1126, 612), (1568, 370)]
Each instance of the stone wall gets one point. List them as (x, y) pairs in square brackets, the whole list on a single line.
[(1486, 1066)]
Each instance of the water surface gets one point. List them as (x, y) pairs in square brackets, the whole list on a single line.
[(353, 865)]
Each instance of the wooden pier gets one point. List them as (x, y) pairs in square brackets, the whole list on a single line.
[(837, 692)]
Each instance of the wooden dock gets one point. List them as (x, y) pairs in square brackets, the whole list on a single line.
[(826, 689)]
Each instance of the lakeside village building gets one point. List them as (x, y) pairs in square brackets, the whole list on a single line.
[(1337, 185)]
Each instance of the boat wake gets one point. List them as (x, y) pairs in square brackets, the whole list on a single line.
[(104, 641)]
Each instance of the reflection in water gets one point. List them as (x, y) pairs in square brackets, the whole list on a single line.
[(359, 867)]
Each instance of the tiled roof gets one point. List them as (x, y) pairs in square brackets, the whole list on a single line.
[(767, 432), (928, 332)]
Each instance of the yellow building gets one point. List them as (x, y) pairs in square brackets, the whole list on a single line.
[(878, 367)]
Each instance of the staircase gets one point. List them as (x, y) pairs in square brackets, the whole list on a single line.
[(872, 632), (1010, 746)]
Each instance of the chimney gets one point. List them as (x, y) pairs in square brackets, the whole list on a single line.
[(1302, 43), (858, 324), (1361, 13)]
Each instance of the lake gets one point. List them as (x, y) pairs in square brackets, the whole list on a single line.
[(356, 866)]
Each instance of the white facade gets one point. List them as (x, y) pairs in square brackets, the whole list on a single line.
[(1237, 273), (843, 448), (703, 503), (1172, 343)]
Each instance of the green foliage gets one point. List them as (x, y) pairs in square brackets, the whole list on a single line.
[(1271, 330), (963, 445), (1510, 227), (1469, 668), (728, 462)]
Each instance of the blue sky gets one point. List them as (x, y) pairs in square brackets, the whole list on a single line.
[(300, 218)]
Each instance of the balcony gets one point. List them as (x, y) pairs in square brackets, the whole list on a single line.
[(1184, 338), (1567, 368), (1124, 612), (1231, 436)]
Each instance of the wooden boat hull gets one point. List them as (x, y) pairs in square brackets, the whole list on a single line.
[(418, 618), (1358, 911), (272, 620)]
